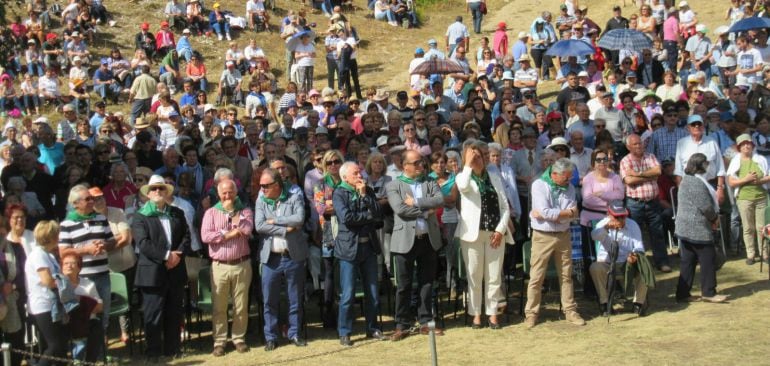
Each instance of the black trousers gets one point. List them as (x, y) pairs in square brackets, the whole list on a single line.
[(331, 70), (163, 314), (330, 316), (56, 338), (426, 258), (692, 254), (345, 74)]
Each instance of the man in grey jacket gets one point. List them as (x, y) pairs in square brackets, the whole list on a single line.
[(416, 238)]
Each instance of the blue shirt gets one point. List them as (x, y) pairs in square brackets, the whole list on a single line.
[(187, 99), (96, 122), (52, 156), (519, 48), (103, 75)]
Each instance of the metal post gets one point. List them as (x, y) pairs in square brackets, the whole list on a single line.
[(432, 342), (6, 349)]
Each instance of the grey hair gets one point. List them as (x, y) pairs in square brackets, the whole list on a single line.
[(117, 165), (224, 182), (346, 167), (17, 180), (223, 173), (495, 146), (453, 155), (75, 193), (562, 165), (575, 133)]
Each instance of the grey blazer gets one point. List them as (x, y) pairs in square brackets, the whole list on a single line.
[(289, 213), (405, 217), (695, 211)]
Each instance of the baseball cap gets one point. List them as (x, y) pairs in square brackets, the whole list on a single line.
[(617, 208), (694, 118), (419, 50), (382, 141), (432, 41), (563, 7)]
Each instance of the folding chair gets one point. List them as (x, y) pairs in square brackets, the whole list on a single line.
[(204, 302), (673, 242), (120, 305)]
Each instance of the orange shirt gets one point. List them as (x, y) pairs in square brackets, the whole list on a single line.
[(193, 70)]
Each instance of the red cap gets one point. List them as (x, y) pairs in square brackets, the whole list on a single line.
[(501, 25), (50, 36), (145, 26), (553, 115)]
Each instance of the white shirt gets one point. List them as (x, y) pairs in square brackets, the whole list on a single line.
[(279, 244), (305, 61), (686, 147), (253, 52), (40, 299), (629, 240), (27, 241), (747, 59), (581, 160), (420, 226), (456, 30), (414, 79)]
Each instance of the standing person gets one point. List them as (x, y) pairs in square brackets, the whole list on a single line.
[(457, 35), (305, 56), (748, 175), (416, 238), (356, 247), (226, 228), (14, 249), (640, 171), (553, 207), (330, 44), (616, 22), (500, 41), (88, 234), (698, 142), (141, 92), (279, 217), (475, 8), (696, 220), (347, 54), (700, 50), (162, 238), (40, 269), (483, 232), (671, 38)]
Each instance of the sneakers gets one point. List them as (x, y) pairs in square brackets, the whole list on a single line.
[(219, 37), (228, 37), (665, 268), (575, 318), (530, 321), (716, 299)]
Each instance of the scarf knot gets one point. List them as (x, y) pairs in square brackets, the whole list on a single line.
[(77, 217), (150, 209), (272, 202)]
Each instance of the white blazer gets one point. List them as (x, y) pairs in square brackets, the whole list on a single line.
[(470, 207)]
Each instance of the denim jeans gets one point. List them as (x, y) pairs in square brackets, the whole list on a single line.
[(477, 16), (35, 68), (220, 27), (367, 270), (278, 266), (650, 213), (107, 90)]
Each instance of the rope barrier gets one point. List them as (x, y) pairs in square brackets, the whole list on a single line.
[(7, 350)]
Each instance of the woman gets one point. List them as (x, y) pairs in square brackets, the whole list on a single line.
[(483, 117), (201, 100), (600, 186), (747, 175), (483, 231), (646, 22), (322, 199), (670, 90), (487, 58), (12, 276), (696, 220), (84, 134), (18, 186), (84, 324), (541, 40), (119, 187), (446, 181), (376, 167), (40, 269)]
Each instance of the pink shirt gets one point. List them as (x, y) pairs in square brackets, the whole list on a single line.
[(671, 29), (597, 194), (214, 222)]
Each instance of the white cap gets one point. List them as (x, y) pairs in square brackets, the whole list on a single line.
[(208, 107), (582, 74), (523, 34), (382, 140), (76, 59), (42, 120), (700, 28), (186, 31), (683, 3)]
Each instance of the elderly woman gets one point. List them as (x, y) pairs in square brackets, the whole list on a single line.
[(696, 220), (18, 186), (377, 178), (40, 269), (119, 187), (322, 199), (84, 325), (449, 214), (12, 278), (483, 230), (748, 176)]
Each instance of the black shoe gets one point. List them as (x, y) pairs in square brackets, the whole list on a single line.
[(377, 334), (270, 345), (604, 312), (297, 341), (345, 341), (640, 309), (476, 326), (495, 326)]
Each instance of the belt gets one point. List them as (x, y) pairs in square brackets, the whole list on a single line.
[(421, 236), (285, 253), (234, 261), (363, 239)]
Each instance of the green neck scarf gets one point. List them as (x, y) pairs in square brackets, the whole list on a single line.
[(482, 182), (546, 177), (329, 180), (411, 181), (150, 209), (75, 216), (351, 189), (282, 198), (237, 206)]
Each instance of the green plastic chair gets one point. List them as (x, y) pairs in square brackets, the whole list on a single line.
[(119, 303), (204, 302)]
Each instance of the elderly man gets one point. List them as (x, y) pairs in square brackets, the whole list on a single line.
[(698, 142), (356, 247), (640, 171), (664, 140), (618, 230), (87, 233), (553, 207), (416, 238), (226, 228), (584, 124), (162, 238), (140, 94), (242, 164), (279, 216), (579, 154)]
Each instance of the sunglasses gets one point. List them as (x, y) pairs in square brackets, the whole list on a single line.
[(599, 126), (158, 189), (603, 160), (696, 124), (559, 149), (267, 185), (671, 114), (334, 162)]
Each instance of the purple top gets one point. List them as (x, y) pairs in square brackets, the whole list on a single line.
[(597, 194)]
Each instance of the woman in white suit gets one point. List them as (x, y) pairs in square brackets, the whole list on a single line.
[(483, 231)]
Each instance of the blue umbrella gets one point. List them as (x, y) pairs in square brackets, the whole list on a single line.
[(749, 24), (294, 41), (624, 39), (570, 47)]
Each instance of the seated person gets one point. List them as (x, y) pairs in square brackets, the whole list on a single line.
[(618, 229), (175, 14), (48, 86), (76, 47), (105, 84), (85, 325), (230, 84), (195, 17)]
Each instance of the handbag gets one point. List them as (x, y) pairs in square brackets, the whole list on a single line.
[(483, 8)]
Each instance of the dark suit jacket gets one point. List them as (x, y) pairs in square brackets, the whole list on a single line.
[(152, 245), (657, 73), (358, 218), (144, 41)]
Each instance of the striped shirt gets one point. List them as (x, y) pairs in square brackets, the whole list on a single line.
[(643, 191), (77, 234), (216, 223)]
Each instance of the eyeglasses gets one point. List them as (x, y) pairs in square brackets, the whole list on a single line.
[(108, 131), (267, 185), (334, 162), (696, 124), (656, 125), (416, 162), (599, 126), (603, 160), (409, 130), (671, 114), (231, 114), (158, 189), (559, 149)]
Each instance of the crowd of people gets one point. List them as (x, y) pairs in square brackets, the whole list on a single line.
[(280, 186)]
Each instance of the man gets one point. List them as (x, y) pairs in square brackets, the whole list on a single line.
[(611, 116), (526, 75), (650, 70), (580, 155), (279, 217), (37, 181), (65, 130), (226, 229), (459, 57), (356, 248), (456, 35), (250, 146), (230, 84), (48, 87), (663, 142), (242, 165), (616, 22), (573, 92), (531, 107), (553, 207), (749, 67), (572, 66), (697, 142), (170, 163), (105, 84), (175, 15), (584, 124), (565, 21), (189, 95), (618, 230), (416, 239), (162, 239), (145, 40), (432, 51), (87, 234), (699, 48), (639, 171), (455, 94), (140, 95), (232, 120), (415, 79)]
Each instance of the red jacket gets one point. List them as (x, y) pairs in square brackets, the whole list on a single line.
[(159, 39)]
